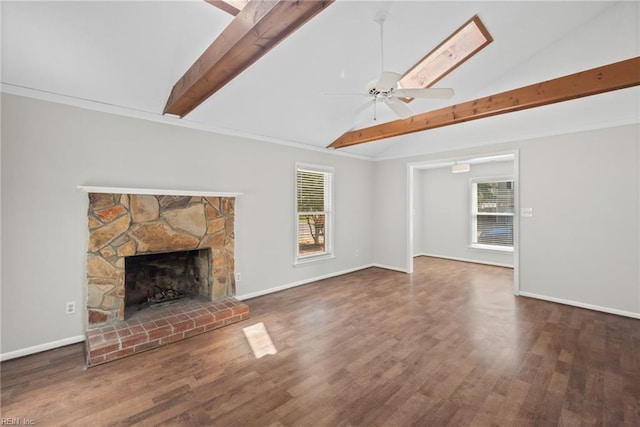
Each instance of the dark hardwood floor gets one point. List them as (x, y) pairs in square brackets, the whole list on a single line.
[(448, 345)]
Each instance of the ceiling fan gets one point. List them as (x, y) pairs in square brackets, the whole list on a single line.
[(387, 89)]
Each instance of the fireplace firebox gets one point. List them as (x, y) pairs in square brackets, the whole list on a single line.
[(155, 279)]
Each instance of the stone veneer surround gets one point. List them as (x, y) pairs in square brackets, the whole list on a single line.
[(122, 225)]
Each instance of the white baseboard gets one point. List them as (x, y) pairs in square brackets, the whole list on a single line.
[(388, 267), (300, 283), (581, 305), (80, 338), (475, 261), (41, 347), (314, 279)]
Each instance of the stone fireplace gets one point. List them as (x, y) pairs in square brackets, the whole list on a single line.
[(144, 248)]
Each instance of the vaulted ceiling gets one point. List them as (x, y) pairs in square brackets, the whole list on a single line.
[(126, 57)]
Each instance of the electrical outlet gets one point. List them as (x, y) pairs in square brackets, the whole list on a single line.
[(70, 308), (237, 277)]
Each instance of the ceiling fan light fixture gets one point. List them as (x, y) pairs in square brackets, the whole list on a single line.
[(465, 42), (460, 168)]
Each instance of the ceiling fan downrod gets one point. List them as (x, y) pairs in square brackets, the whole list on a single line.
[(380, 18)]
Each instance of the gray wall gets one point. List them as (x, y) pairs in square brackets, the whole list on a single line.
[(48, 149), (442, 219), (582, 244)]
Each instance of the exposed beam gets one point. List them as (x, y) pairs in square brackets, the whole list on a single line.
[(607, 78), (258, 27), (230, 6)]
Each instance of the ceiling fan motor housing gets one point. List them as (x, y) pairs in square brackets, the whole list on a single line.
[(383, 88)]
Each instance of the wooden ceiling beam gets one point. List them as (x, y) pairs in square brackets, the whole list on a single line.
[(607, 78), (230, 6), (255, 30)]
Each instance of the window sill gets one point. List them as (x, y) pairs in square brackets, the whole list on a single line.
[(493, 248), (313, 258)]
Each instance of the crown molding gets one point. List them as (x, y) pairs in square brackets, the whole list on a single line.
[(157, 117)]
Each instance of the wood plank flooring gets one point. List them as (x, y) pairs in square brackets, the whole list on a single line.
[(448, 345)]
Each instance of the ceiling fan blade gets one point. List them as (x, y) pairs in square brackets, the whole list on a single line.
[(357, 114), (388, 80), (345, 94), (400, 108), (363, 108), (432, 92)]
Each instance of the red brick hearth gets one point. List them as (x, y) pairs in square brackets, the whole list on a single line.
[(157, 326)]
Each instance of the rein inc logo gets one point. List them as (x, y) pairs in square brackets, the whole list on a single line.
[(16, 421)]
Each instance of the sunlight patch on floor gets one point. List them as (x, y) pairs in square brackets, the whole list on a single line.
[(259, 340)]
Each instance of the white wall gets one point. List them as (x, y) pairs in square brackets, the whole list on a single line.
[(444, 218), (582, 245), (48, 149)]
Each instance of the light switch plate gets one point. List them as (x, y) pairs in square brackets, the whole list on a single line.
[(526, 212)]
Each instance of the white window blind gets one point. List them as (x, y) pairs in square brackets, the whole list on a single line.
[(492, 214), (313, 211)]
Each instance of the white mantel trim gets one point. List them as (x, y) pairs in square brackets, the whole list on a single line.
[(155, 191)]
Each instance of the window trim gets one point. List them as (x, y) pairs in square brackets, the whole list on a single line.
[(473, 214), (328, 212)]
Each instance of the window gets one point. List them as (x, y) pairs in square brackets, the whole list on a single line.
[(313, 212), (492, 214)]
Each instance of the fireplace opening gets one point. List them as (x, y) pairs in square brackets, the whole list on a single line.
[(158, 279)]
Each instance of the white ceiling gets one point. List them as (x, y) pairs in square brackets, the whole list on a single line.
[(129, 54)]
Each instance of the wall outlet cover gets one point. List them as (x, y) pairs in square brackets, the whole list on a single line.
[(70, 307)]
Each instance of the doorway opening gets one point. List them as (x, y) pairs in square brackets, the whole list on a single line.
[(440, 212)]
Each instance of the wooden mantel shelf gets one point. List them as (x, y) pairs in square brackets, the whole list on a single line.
[(155, 191)]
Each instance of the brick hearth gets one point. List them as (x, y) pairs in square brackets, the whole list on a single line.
[(157, 326)]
